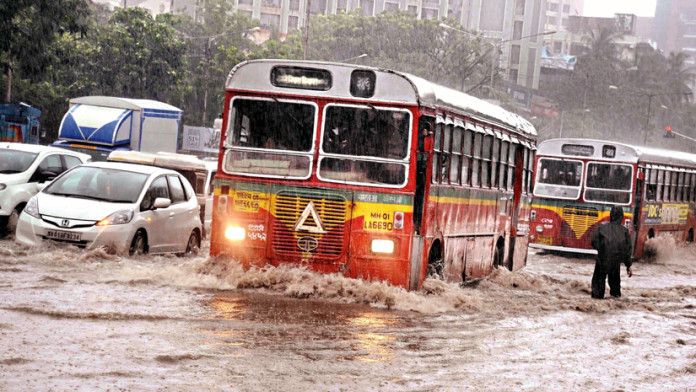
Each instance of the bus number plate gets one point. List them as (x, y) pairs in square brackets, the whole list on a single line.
[(545, 240)]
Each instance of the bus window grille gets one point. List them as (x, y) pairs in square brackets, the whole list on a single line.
[(579, 221), (331, 209)]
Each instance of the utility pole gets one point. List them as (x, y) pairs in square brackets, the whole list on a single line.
[(306, 36)]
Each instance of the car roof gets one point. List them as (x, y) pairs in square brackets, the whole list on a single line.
[(39, 149), (133, 167)]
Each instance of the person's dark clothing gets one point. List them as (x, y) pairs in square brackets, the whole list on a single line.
[(613, 244)]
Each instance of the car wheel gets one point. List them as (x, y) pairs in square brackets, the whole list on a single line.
[(194, 243), (139, 244), (12, 220)]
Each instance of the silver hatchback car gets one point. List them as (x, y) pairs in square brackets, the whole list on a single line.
[(127, 207)]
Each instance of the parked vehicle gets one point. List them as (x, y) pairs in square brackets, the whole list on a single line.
[(200, 173), (126, 207), (98, 125), (19, 122), (24, 170)]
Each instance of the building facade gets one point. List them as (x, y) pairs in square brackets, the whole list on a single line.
[(674, 27)]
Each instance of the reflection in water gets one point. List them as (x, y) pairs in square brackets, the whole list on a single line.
[(372, 336)]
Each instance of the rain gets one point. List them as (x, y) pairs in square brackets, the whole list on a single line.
[(186, 317)]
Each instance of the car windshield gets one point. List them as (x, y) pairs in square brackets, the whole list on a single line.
[(13, 161), (110, 185)]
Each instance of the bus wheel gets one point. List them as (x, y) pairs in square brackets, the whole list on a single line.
[(435, 262), (651, 233), (690, 236)]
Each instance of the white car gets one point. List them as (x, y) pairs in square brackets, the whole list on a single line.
[(126, 207), (24, 170)]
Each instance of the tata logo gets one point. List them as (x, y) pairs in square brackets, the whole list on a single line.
[(307, 244), (65, 223), (310, 221)]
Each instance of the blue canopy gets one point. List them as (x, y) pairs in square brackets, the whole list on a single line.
[(97, 124)]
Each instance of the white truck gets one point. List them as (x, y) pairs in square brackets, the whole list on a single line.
[(98, 125)]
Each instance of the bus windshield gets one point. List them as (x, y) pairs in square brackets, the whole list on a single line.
[(270, 137), (608, 183), (354, 133), (558, 178)]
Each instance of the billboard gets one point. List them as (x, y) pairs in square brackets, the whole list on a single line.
[(201, 139)]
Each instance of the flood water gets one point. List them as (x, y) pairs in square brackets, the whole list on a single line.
[(86, 320)]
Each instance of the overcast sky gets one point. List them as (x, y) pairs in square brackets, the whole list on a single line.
[(610, 7)]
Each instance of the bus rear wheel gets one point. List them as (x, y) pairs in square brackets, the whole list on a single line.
[(435, 262)]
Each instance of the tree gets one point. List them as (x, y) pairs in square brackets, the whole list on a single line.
[(27, 27)]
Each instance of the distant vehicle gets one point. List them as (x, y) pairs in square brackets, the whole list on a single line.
[(127, 207), (579, 180), (98, 125), (372, 173), (200, 173), (24, 170), (19, 123)]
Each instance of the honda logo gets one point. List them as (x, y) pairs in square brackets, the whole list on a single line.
[(307, 244), (65, 223)]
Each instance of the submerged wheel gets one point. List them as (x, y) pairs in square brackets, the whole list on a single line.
[(436, 264), (194, 243), (139, 244), (497, 258)]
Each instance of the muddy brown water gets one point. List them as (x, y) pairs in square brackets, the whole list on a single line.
[(87, 320)]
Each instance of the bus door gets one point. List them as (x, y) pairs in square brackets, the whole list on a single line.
[(422, 154), (634, 226)]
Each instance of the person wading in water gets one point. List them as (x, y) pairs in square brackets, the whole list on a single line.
[(613, 244)]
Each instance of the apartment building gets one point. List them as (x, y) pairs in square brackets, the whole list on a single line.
[(674, 27)]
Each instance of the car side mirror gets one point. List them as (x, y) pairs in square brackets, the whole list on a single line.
[(161, 202)]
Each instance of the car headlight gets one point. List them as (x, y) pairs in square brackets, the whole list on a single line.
[(117, 218), (3, 187), (382, 246), (32, 207), (235, 233)]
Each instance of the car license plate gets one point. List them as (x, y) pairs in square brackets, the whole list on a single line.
[(545, 240), (63, 235)]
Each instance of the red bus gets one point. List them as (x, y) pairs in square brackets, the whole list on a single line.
[(372, 173), (579, 180)]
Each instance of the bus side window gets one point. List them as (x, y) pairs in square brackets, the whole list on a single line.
[(456, 160), (651, 187), (446, 149), (494, 162), (468, 154), (660, 183), (530, 169), (437, 153), (476, 169), (511, 166), (502, 177)]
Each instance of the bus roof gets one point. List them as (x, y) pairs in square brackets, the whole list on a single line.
[(624, 152), (390, 86)]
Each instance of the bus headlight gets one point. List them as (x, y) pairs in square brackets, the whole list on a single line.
[(382, 246), (235, 233), (540, 229)]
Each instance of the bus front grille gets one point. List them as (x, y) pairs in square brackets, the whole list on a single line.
[(578, 220), (324, 239)]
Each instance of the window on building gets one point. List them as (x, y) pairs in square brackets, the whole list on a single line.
[(519, 7), (413, 9), (564, 22), (514, 55), (293, 22), (271, 3), (246, 2), (517, 29), (557, 47), (342, 5), (566, 8), (552, 20), (391, 7), (367, 7), (553, 7), (317, 7), (270, 21), (429, 13), (295, 5), (512, 76)]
